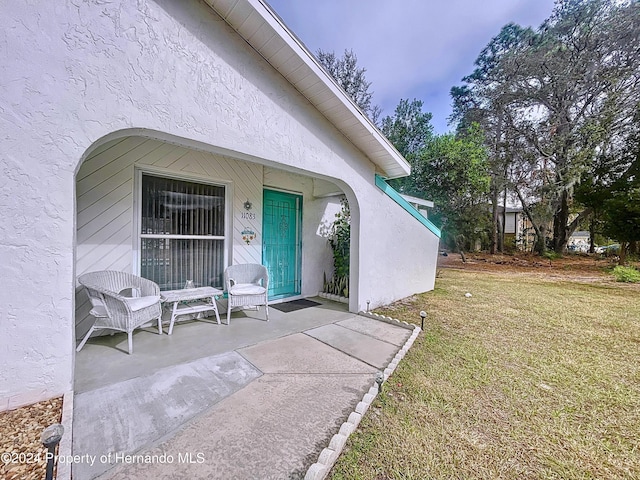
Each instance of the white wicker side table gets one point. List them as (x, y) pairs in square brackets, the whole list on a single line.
[(207, 294)]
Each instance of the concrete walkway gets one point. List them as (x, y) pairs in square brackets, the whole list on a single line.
[(263, 411)]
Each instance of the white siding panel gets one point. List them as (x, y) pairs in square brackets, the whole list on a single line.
[(121, 191), (110, 250), (166, 160), (510, 225), (112, 218), (111, 168), (95, 153), (248, 187), (107, 153)]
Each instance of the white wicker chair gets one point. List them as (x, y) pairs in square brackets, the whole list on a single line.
[(114, 311), (247, 286)]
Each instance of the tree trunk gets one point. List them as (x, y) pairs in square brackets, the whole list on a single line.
[(494, 216), (560, 224), (460, 246), (540, 246), (541, 240), (622, 257), (592, 233), (504, 217), (496, 190)]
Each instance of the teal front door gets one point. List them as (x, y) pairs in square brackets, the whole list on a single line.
[(282, 242)]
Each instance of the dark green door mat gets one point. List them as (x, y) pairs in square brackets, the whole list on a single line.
[(294, 305)]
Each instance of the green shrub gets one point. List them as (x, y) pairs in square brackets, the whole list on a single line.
[(551, 255), (340, 241), (626, 274)]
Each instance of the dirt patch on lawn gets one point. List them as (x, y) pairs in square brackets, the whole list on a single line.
[(579, 267)]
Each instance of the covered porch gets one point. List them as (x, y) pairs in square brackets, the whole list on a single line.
[(171, 211), (252, 399)]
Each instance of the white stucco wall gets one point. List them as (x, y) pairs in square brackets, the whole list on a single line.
[(73, 73), (398, 255)]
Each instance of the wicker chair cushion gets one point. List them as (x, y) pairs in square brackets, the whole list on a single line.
[(247, 289), (139, 303), (99, 311)]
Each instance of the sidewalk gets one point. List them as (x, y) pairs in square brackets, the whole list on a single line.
[(264, 411)]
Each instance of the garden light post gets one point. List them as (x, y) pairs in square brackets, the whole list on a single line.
[(379, 380), (50, 438), (423, 315)]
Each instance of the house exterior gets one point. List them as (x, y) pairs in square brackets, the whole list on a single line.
[(514, 227), (171, 138), (519, 232), (419, 204), (579, 241)]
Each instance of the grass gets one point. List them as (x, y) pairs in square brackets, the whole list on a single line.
[(528, 378)]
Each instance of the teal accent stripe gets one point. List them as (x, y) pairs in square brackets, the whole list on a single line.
[(395, 196)]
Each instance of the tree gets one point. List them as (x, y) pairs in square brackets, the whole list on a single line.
[(409, 130), (470, 106), (622, 218), (352, 79), (618, 185), (452, 171), (568, 89)]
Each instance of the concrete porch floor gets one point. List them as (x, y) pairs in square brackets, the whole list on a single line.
[(104, 360), (254, 399)]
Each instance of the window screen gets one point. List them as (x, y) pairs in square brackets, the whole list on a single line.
[(182, 232)]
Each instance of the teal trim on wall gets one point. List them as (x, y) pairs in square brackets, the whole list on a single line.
[(395, 196)]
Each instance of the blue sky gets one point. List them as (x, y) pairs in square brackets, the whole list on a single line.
[(410, 48)]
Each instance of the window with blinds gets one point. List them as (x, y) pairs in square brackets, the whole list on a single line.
[(182, 232)]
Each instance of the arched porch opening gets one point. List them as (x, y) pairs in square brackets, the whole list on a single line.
[(115, 232)]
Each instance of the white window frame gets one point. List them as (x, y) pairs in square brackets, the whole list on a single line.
[(137, 207)]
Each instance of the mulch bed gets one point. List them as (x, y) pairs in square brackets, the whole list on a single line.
[(23, 455)]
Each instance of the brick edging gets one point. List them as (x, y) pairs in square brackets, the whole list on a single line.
[(63, 471), (329, 456), (392, 321), (335, 298)]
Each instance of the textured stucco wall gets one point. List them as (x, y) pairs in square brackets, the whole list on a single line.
[(398, 255), (72, 74)]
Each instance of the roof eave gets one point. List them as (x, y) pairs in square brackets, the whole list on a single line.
[(267, 34)]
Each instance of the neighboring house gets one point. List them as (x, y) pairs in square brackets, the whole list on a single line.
[(419, 204), (514, 226), (171, 138), (518, 230), (579, 241), (513, 220)]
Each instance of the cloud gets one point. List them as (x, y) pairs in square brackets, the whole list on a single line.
[(410, 48)]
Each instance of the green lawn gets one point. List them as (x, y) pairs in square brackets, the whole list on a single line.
[(528, 378)]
